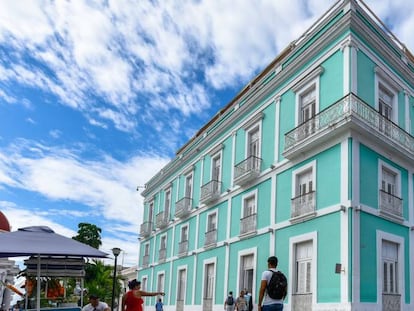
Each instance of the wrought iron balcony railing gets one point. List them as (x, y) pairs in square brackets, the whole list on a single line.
[(183, 248), (303, 204), (247, 170), (210, 191), (248, 224), (349, 110), (210, 237), (183, 207), (162, 219), (146, 229), (390, 204)]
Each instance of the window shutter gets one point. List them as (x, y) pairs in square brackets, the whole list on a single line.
[(308, 277)]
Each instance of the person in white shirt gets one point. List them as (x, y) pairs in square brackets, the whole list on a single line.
[(269, 304), (95, 305)]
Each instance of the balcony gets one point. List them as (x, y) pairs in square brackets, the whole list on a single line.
[(183, 207), (162, 220), (162, 254), (146, 229), (350, 112), (145, 260), (248, 224), (183, 248), (210, 191), (210, 238), (303, 205), (247, 170), (390, 205)]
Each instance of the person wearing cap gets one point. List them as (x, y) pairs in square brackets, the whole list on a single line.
[(269, 304), (95, 305), (132, 299)]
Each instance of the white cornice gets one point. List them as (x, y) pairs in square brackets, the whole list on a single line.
[(308, 78)]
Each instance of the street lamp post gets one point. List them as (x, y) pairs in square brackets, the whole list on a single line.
[(116, 251)]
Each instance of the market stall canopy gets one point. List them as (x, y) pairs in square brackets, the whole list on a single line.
[(41, 240), (55, 266)]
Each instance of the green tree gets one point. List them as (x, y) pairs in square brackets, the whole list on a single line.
[(99, 278), (89, 234)]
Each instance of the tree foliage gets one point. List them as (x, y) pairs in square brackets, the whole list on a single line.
[(89, 234), (99, 278)]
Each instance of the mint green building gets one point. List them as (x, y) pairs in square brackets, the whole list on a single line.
[(313, 161)]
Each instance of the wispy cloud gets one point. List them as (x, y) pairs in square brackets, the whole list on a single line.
[(104, 184), (139, 55), (105, 187)]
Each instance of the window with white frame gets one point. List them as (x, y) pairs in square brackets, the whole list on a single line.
[(249, 205), (151, 211), (307, 103), (184, 233), (253, 142), (389, 181), (390, 202), (163, 242), (212, 222), (160, 282), (209, 281), (385, 107), (211, 230), (303, 190), (181, 284), (307, 99), (216, 167), (188, 186), (144, 283), (248, 221), (303, 267), (167, 203), (304, 183), (145, 259), (247, 271), (386, 100), (390, 267), (162, 252)]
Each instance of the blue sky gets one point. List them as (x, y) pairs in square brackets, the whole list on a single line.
[(96, 97)]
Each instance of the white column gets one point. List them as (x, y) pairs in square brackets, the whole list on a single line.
[(345, 203), (277, 128), (349, 49)]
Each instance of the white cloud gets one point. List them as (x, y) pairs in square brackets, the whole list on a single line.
[(130, 54), (55, 133), (19, 217), (106, 186)]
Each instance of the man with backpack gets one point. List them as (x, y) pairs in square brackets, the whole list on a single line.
[(273, 288), (229, 302)]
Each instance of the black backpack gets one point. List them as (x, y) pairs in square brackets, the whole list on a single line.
[(277, 286), (230, 300)]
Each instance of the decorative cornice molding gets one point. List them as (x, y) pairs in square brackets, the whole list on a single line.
[(349, 43), (216, 149), (257, 118), (387, 78), (308, 78)]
